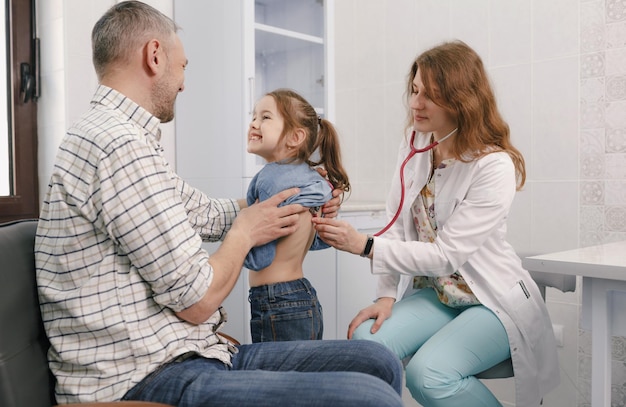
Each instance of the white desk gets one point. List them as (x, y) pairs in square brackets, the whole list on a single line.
[(603, 269)]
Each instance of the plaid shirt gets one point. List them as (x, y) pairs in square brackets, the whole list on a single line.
[(118, 252)]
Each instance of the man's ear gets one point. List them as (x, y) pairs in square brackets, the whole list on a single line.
[(154, 56), (296, 138)]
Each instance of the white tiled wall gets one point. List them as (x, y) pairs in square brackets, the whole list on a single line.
[(559, 72), (602, 141)]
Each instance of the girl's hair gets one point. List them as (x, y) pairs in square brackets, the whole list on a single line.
[(321, 135), (124, 28), (455, 79)]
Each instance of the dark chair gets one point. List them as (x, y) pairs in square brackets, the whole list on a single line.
[(25, 380)]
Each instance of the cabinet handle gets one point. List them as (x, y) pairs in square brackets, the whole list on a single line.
[(250, 95)]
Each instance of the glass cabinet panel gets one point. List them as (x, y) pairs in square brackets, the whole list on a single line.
[(289, 48), (302, 16)]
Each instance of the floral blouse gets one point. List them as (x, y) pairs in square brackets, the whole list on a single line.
[(452, 290)]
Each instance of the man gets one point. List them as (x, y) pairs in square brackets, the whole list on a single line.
[(130, 300)]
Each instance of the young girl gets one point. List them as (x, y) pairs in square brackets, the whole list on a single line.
[(286, 131)]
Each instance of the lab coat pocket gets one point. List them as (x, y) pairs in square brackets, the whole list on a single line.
[(525, 312)]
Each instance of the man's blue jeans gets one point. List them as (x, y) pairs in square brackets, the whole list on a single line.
[(295, 374), (287, 311)]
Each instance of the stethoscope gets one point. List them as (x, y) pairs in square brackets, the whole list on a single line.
[(406, 160)]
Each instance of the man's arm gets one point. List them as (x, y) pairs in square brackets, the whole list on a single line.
[(255, 225)]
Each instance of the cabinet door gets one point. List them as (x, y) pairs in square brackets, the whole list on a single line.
[(210, 115), (289, 47), (320, 269), (356, 288), (356, 285), (238, 51), (289, 51), (210, 121)]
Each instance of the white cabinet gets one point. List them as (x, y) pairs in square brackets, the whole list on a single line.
[(237, 51), (343, 281), (288, 42), (356, 285), (320, 268)]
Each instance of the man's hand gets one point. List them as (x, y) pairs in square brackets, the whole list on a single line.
[(264, 222), (255, 225)]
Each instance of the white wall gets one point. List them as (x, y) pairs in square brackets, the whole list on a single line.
[(559, 71), (68, 79)]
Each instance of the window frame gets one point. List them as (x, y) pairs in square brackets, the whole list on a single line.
[(24, 201)]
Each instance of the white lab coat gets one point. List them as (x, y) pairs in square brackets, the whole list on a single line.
[(472, 202)]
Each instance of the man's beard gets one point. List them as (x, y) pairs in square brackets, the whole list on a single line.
[(162, 102)]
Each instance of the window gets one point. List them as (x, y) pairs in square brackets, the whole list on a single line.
[(19, 193)]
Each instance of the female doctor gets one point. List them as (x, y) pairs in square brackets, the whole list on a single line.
[(468, 304)]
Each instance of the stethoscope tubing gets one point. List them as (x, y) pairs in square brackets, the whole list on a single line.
[(406, 160)]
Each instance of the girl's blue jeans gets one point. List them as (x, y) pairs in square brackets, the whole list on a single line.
[(296, 374), (447, 347), (286, 311)]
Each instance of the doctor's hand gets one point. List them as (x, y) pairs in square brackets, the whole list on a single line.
[(340, 234), (380, 311)]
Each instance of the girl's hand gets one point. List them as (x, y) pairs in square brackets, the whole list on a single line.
[(331, 208), (380, 311)]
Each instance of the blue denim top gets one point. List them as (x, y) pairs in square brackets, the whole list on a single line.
[(274, 177)]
